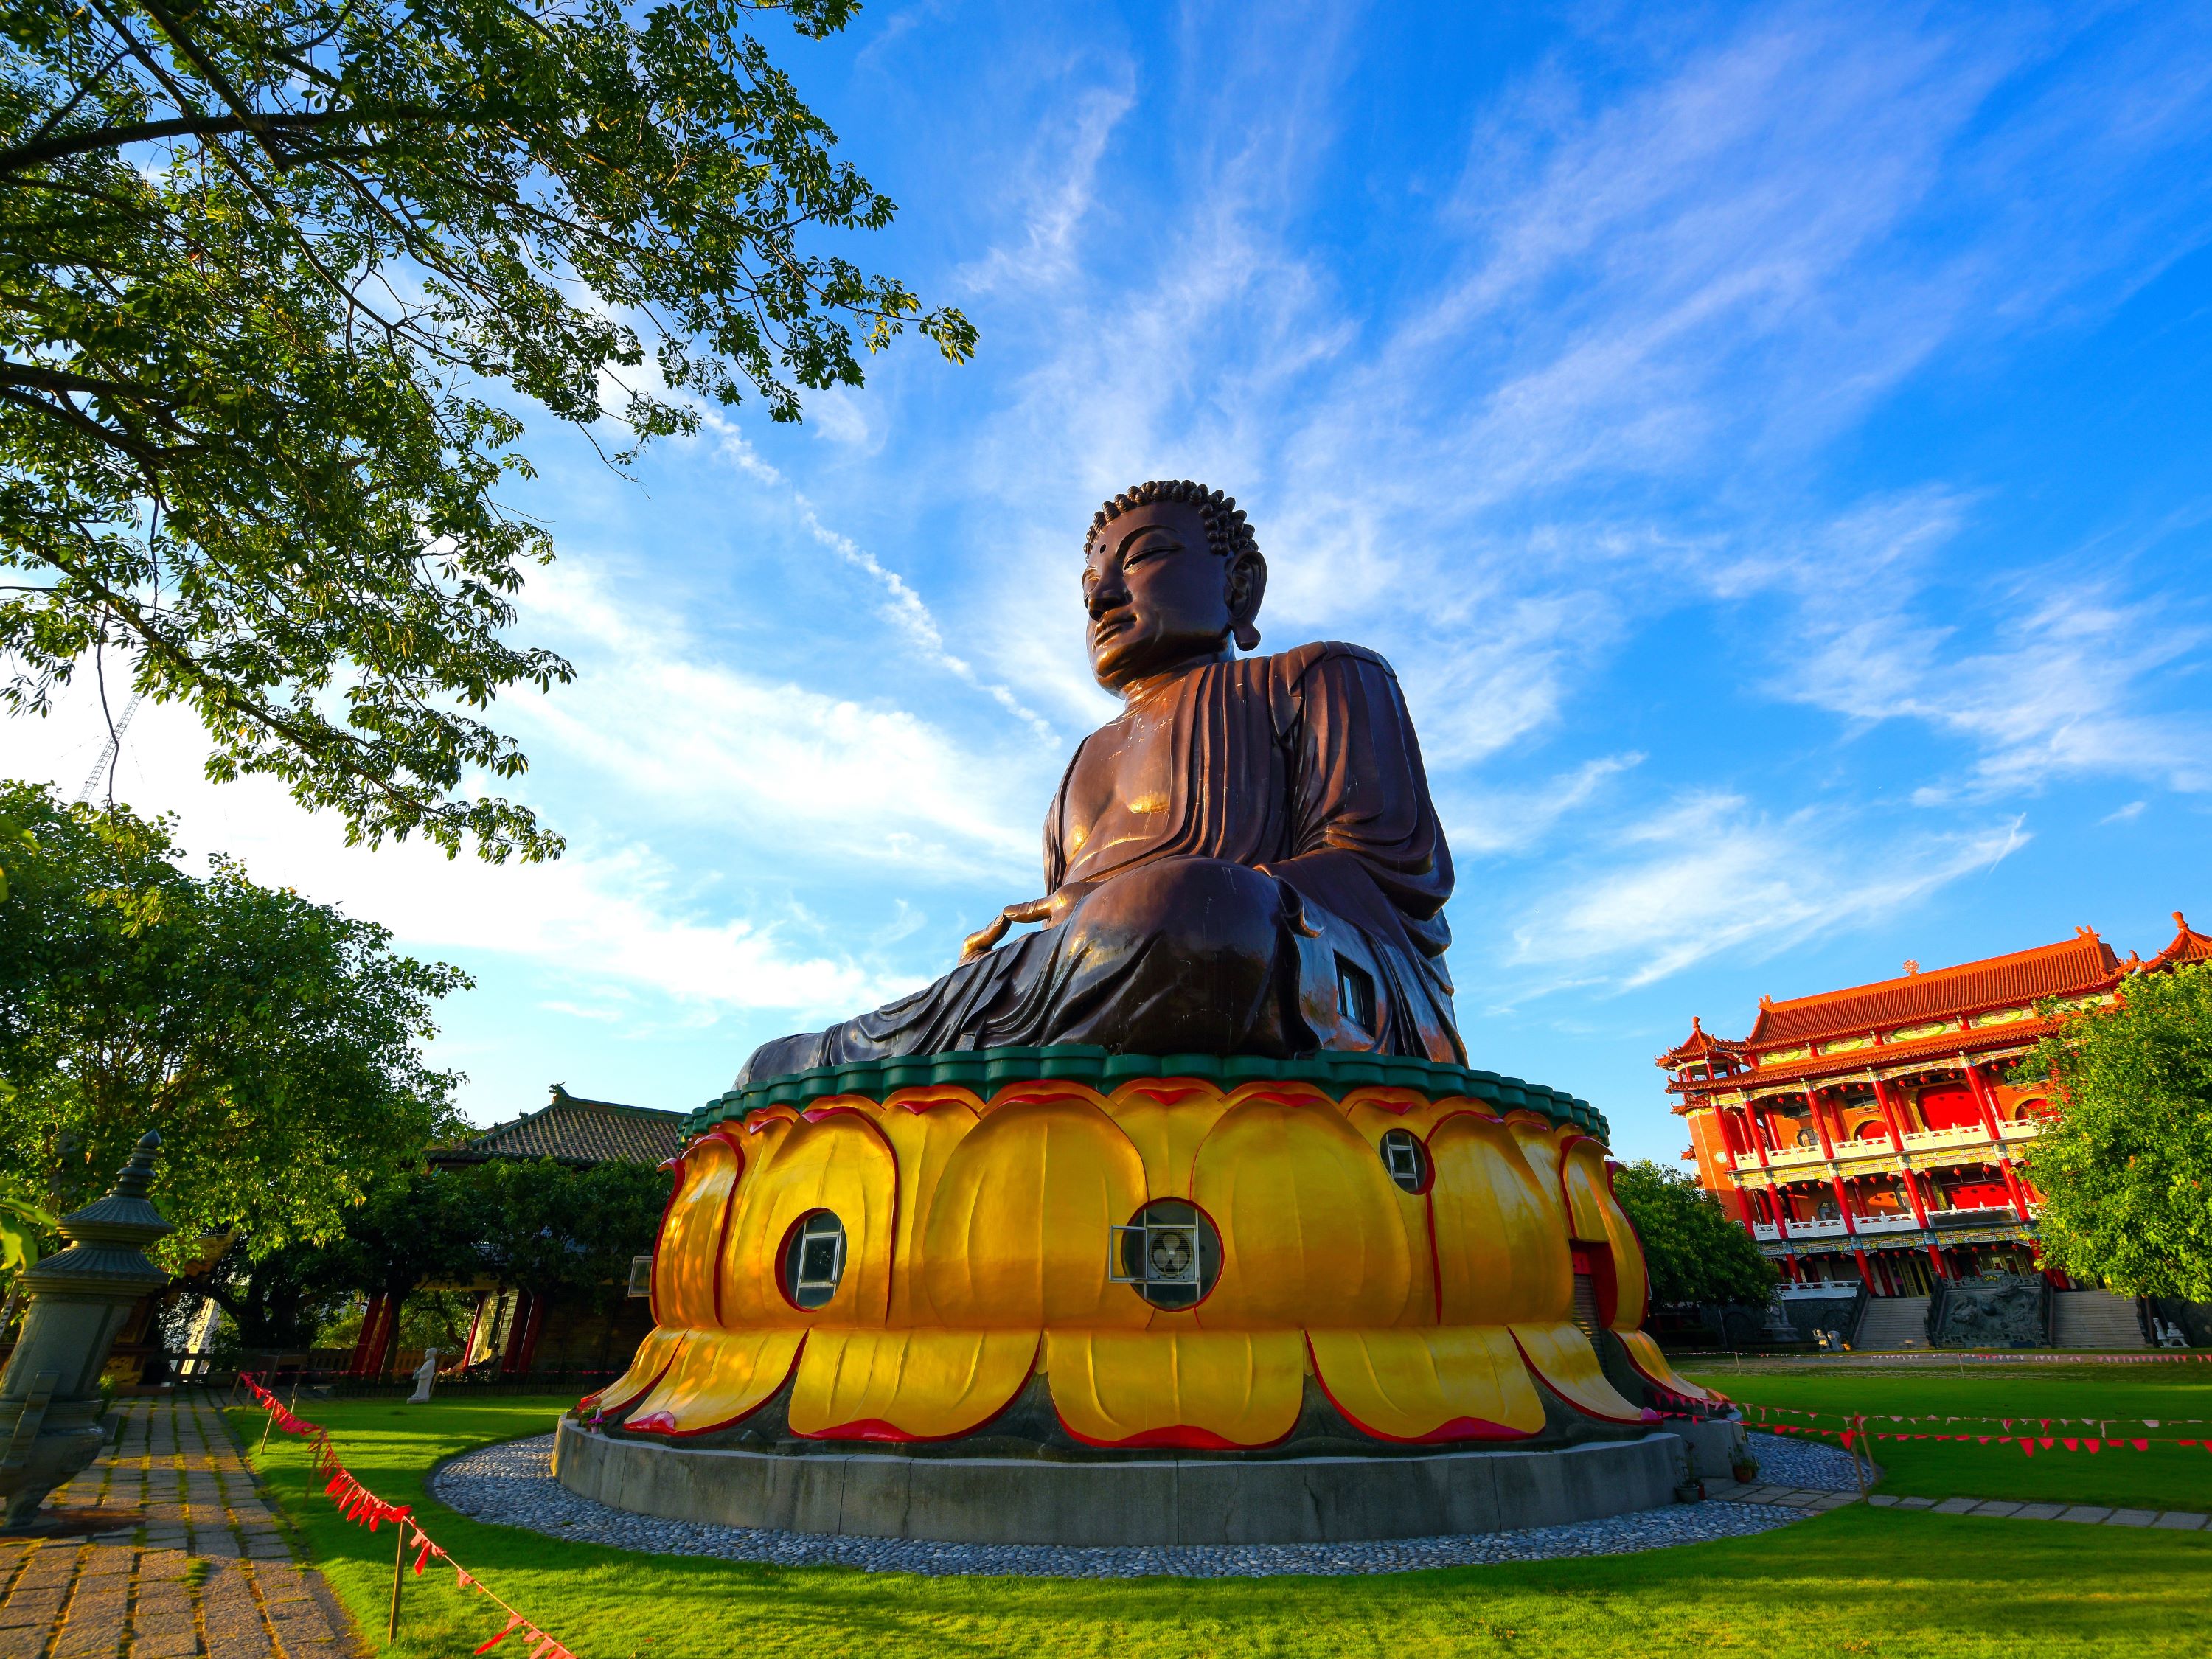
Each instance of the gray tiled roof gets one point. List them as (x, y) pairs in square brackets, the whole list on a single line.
[(578, 1131)]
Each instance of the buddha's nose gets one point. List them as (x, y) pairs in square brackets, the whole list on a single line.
[(1108, 594)]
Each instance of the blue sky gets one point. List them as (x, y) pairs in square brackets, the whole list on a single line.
[(1773, 444)]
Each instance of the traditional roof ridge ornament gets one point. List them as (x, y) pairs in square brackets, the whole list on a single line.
[(2188, 945), (1701, 1045)]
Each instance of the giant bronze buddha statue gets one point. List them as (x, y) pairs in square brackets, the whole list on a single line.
[(1191, 1180), (1244, 861)]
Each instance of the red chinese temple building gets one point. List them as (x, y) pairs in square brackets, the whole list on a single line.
[(1869, 1134)]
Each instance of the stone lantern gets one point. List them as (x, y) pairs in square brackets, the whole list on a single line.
[(50, 1426)]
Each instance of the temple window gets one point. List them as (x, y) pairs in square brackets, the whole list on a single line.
[(1407, 1159), (814, 1260), (1169, 1253), (1355, 994)]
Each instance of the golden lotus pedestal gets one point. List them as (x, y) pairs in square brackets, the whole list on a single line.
[(1056, 1296)]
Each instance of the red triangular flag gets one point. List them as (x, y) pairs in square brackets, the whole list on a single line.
[(513, 1620)]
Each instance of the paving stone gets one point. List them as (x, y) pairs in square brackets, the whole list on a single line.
[(2130, 1517), (32, 1609), (2090, 1514), (2180, 1521), (1956, 1506), (1915, 1503), (2040, 1512), (1993, 1506), (1883, 1500)]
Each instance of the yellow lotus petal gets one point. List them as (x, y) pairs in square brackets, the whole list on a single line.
[(1540, 1148), (690, 1230), (1165, 1119), (645, 1366), (1562, 1356), (907, 1385), (923, 1125), (719, 1377), (837, 1161), (1458, 1382), (1213, 1391), (1373, 1110), (1643, 1354), (1623, 1287), (1019, 1235), (1501, 1245), (1311, 1229), (1373, 1114)]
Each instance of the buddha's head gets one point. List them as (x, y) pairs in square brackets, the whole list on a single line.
[(1170, 575)]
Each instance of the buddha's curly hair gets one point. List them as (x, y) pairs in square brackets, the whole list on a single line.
[(1226, 532)]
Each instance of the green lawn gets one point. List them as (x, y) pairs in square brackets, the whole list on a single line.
[(1856, 1582), (2165, 1477)]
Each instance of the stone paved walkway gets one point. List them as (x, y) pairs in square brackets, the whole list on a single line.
[(2092, 1514), (205, 1568)]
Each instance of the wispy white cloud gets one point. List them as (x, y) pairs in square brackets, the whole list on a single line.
[(1712, 875), (614, 913), (1499, 821), (804, 775)]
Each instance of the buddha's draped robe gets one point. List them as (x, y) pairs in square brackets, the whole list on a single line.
[(1262, 835)]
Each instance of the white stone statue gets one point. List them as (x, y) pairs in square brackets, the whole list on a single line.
[(425, 1374)]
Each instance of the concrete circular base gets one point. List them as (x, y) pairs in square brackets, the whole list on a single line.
[(1167, 1500)]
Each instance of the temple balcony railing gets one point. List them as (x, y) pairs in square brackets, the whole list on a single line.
[(1828, 1288), (1925, 1140), (1747, 1161), (1794, 1156), (2025, 1129), (1766, 1230), (1817, 1229), (1888, 1224), (1986, 1216)]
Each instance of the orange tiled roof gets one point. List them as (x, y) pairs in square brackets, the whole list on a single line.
[(1932, 1052), (1700, 1044), (2189, 945), (2084, 962)]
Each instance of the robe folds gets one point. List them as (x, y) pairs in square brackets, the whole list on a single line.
[(1266, 875)]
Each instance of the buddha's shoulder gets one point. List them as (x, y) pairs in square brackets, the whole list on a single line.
[(1294, 664)]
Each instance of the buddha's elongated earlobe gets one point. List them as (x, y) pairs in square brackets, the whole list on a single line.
[(1248, 585)]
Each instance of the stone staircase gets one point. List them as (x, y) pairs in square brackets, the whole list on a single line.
[(2095, 1319), (1893, 1321)]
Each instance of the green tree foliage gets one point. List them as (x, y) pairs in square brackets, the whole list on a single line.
[(275, 1043), (1695, 1252), (2125, 1167), (559, 1231), (505, 1223), (274, 276)]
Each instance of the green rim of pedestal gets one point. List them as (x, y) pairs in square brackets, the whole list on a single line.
[(986, 1071)]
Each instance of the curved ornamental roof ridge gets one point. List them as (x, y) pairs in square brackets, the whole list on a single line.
[(2069, 966), (575, 1130), (1700, 1044), (2188, 945)]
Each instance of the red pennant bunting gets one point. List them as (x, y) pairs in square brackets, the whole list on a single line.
[(514, 1622)]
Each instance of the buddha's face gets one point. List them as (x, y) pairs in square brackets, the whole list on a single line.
[(1159, 595)]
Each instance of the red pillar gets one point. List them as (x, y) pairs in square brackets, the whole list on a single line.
[(1987, 1102), (361, 1338), (1866, 1270), (530, 1332), (515, 1327), (368, 1346), (1819, 1123)]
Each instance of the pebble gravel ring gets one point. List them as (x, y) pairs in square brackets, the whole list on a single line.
[(513, 1484)]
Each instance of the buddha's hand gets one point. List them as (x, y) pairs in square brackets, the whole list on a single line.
[(1050, 911)]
